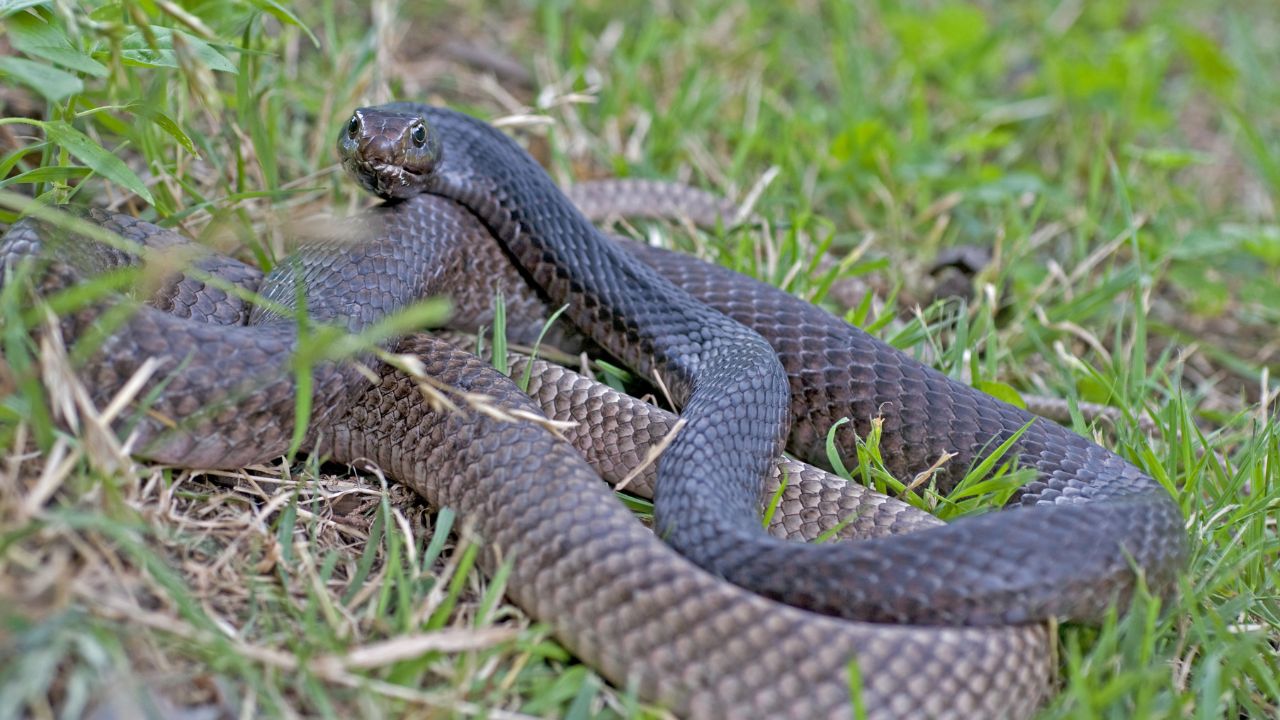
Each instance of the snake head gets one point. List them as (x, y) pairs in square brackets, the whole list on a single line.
[(390, 153)]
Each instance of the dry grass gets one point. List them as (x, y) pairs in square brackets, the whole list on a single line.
[(1133, 272)]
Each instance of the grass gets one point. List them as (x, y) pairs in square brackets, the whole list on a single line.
[(1120, 159)]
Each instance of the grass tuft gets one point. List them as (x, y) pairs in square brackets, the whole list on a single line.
[(1119, 161)]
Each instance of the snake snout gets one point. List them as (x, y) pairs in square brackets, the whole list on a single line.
[(380, 150)]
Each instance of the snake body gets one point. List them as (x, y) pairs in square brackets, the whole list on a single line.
[(622, 600), (1087, 519)]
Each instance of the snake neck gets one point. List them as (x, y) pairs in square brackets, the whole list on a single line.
[(557, 247), (707, 362)]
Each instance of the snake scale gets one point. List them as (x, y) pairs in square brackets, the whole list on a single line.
[(743, 361)]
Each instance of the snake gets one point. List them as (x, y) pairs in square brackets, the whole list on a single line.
[(708, 615)]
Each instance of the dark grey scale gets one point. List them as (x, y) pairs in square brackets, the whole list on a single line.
[(211, 366), (705, 478), (619, 599)]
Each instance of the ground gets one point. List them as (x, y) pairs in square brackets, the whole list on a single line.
[(1120, 161)]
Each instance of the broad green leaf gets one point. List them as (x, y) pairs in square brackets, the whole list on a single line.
[(8, 162), (147, 57), (1212, 66), (47, 174), (167, 124), (864, 143), (69, 58), (103, 161), (1001, 391), (1264, 244), (50, 82), (940, 38), (9, 7), (137, 52), (286, 16), (32, 35)]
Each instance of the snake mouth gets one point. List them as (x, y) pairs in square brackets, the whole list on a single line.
[(396, 171), (390, 180)]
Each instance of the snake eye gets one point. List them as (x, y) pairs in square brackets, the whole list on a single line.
[(419, 135), (353, 127)]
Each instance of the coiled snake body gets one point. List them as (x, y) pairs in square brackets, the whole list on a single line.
[(617, 596)]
